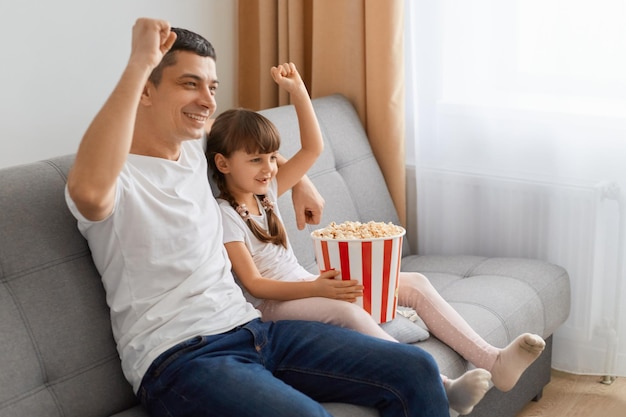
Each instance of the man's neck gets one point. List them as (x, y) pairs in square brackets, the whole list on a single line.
[(156, 149)]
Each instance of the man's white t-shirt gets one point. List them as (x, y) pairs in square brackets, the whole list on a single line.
[(272, 261), (164, 268)]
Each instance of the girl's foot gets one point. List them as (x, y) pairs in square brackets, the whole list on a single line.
[(514, 359)]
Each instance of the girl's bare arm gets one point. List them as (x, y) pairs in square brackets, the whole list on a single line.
[(312, 144), (270, 289)]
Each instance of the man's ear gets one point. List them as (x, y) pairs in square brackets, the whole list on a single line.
[(146, 94), (221, 163)]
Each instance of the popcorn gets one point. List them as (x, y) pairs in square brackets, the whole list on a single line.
[(358, 230), (369, 253)]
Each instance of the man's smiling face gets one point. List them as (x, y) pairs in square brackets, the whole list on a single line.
[(185, 96)]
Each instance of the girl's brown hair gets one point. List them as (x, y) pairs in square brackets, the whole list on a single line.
[(246, 130)]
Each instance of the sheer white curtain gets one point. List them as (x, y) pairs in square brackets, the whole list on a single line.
[(516, 114)]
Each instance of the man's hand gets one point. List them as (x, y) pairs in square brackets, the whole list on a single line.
[(308, 203), (152, 38)]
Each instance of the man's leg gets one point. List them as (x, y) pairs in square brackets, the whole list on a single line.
[(332, 364), (279, 369), (220, 376)]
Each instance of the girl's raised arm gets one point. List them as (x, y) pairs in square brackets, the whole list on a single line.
[(312, 143)]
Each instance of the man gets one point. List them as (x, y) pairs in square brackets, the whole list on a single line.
[(190, 344)]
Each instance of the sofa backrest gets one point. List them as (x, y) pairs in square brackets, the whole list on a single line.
[(57, 355), (346, 174)]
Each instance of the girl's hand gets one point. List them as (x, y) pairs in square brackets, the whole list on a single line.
[(327, 286), (287, 77)]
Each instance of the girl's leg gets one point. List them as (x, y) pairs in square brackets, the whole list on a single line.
[(324, 310), (463, 393), (506, 365)]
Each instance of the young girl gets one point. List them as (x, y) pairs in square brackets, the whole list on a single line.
[(242, 151)]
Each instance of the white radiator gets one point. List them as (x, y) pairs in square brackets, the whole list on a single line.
[(578, 226)]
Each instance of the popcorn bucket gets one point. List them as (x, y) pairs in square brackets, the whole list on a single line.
[(374, 262)]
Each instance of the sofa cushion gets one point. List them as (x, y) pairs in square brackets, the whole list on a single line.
[(58, 354), (405, 330)]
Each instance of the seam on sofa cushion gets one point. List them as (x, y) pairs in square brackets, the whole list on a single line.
[(18, 305), (33, 269), (536, 292), (58, 169), (338, 167), (31, 337), (31, 393), (93, 365), (50, 386), (470, 272), (493, 312), (533, 289)]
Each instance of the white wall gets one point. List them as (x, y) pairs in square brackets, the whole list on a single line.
[(61, 59)]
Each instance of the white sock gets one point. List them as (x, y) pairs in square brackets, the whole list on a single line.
[(467, 390), (514, 359)]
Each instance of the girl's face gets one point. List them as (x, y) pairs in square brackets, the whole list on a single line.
[(249, 172)]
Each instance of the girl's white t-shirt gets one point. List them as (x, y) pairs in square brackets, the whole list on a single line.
[(160, 254), (272, 261)]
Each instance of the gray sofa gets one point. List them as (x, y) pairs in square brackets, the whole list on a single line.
[(57, 355)]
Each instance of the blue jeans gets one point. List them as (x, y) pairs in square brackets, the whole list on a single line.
[(286, 369)]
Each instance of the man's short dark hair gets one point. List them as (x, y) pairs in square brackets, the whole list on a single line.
[(186, 40)]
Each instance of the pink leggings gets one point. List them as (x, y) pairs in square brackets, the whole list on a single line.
[(415, 291)]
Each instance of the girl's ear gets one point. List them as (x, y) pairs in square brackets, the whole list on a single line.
[(221, 163)]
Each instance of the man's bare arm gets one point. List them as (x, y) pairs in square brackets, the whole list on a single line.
[(106, 143), (308, 203)]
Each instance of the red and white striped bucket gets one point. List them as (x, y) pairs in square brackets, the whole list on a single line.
[(375, 263)]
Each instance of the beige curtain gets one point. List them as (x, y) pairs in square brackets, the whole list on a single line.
[(352, 47)]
